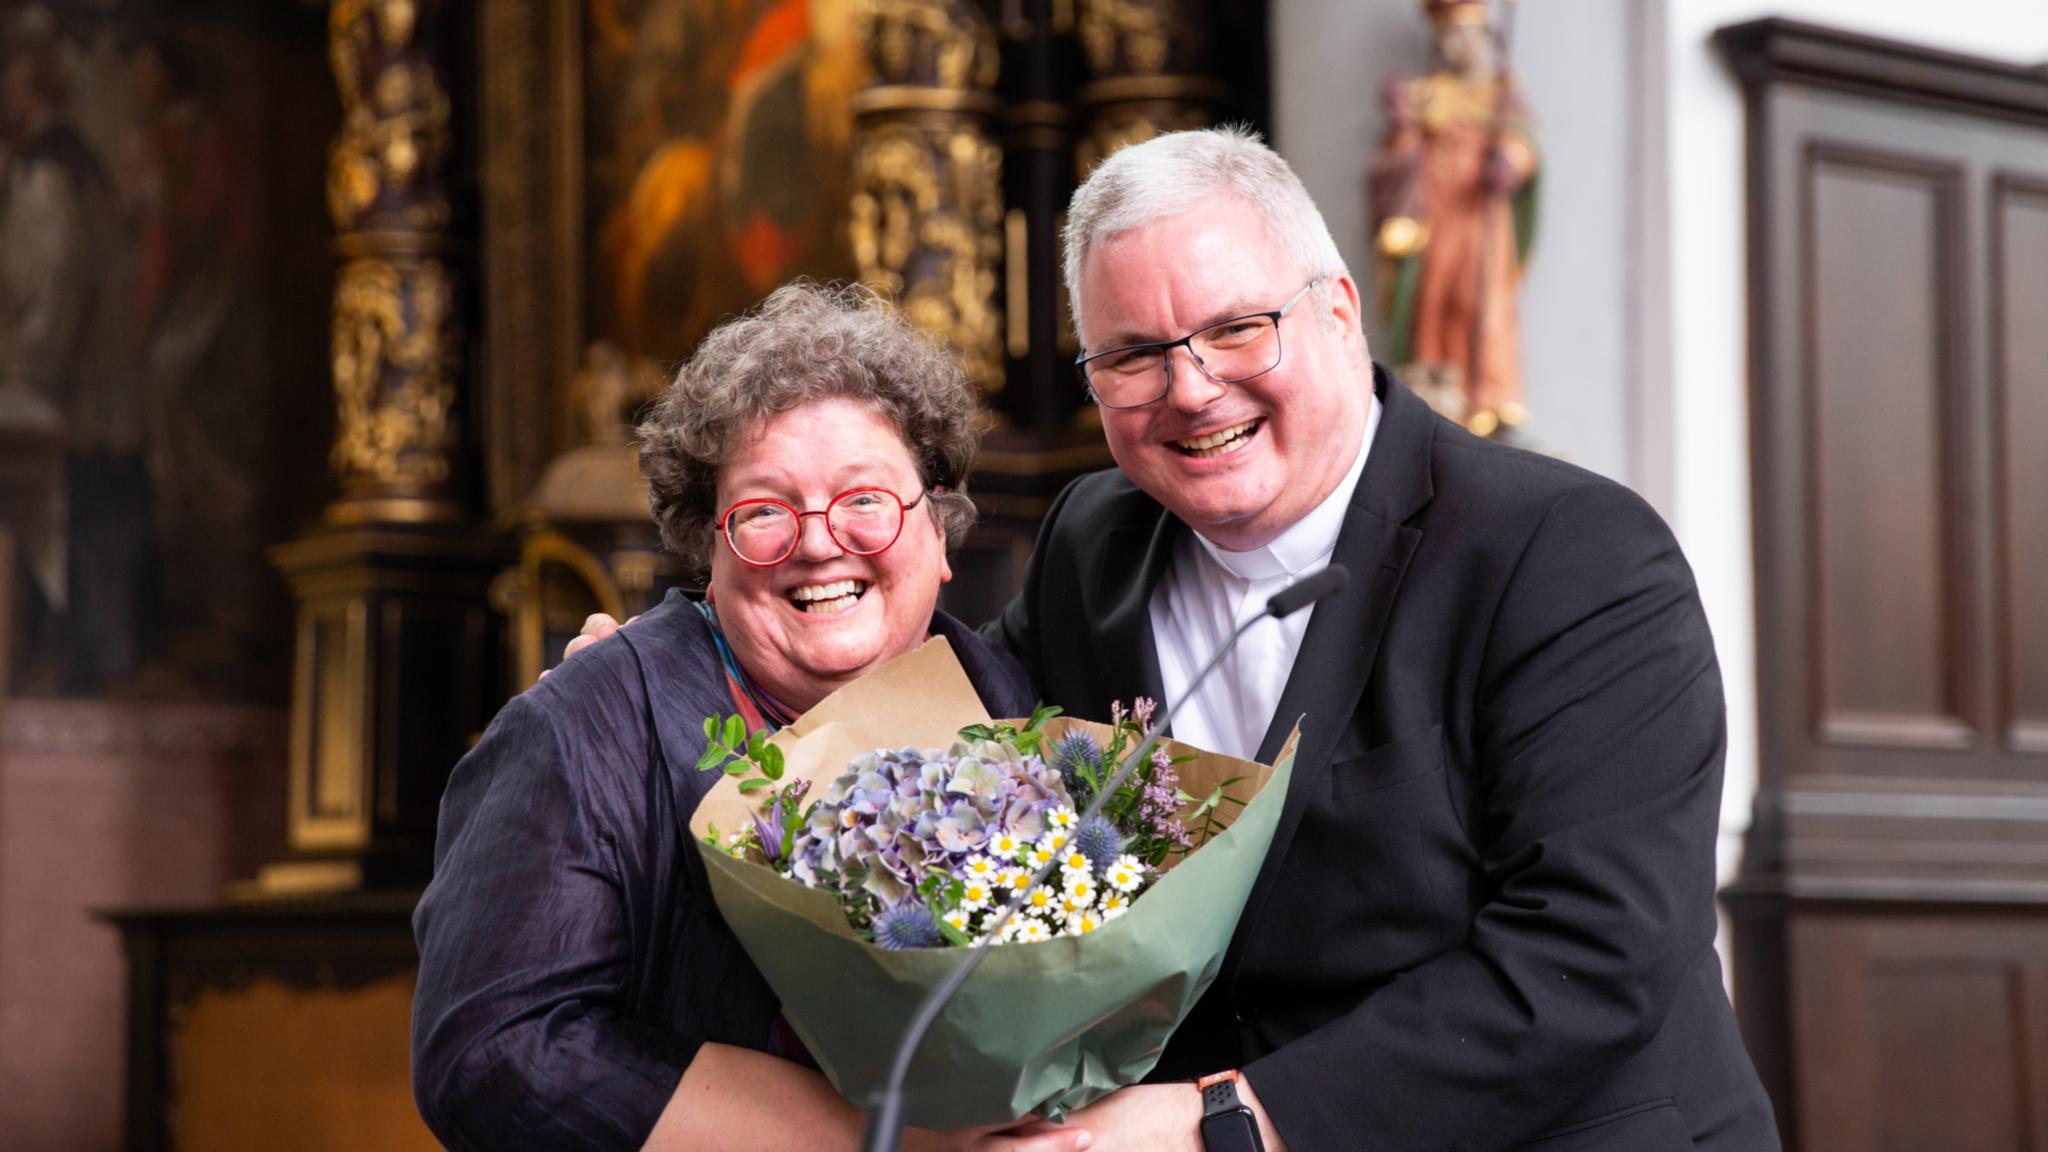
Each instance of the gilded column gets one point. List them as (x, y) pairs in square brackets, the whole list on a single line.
[(1150, 68), (927, 210), (397, 333), (396, 643)]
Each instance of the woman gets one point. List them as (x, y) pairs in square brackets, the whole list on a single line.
[(577, 987)]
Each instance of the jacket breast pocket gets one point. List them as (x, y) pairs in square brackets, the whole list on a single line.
[(1389, 765), (1654, 1126), (1376, 865)]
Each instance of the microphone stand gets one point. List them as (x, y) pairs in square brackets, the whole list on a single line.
[(885, 1116)]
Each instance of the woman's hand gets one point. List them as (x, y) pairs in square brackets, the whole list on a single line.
[(738, 1100), (1030, 1135)]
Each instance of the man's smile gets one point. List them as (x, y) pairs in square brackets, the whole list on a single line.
[(1221, 442)]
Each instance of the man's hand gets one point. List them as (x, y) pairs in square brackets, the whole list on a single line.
[(1146, 1118), (596, 627)]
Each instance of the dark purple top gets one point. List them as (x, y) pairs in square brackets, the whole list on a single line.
[(571, 958)]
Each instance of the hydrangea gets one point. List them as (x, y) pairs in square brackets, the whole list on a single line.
[(895, 818)]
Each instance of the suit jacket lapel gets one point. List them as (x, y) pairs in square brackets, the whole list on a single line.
[(1122, 618), (1341, 646)]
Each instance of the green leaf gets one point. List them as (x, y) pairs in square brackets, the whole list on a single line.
[(735, 732), (749, 787), (711, 728), (754, 742), (954, 936), (771, 762), (711, 759), (738, 767)]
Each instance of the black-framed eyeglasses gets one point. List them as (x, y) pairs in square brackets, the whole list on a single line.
[(1227, 352), (863, 521)]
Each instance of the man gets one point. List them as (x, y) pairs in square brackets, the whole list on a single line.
[(1486, 921)]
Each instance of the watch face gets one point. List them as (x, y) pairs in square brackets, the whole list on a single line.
[(1231, 1132)]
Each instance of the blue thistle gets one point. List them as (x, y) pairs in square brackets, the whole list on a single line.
[(908, 925), (1097, 839), (1078, 758)]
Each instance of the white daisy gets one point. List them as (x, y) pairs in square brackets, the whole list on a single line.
[(1061, 818), (1004, 845), (1114, 904), (1126, 874), (1041, 899), (958, 918), (975, 895), (1014, 879), (1081, 890), (981, 868), (1032, 930), (1082, 923), (1074, 863)]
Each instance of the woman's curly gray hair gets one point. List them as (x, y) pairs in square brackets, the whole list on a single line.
[(805, 342)]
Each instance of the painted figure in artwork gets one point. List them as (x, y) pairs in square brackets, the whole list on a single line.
[(719, 137), (62, 364), (1453, 197)]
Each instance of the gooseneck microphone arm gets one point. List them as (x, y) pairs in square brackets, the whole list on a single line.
[(885, 1115)]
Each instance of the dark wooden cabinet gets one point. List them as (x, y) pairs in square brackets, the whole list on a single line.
[(272, 1024), (1891, 917)]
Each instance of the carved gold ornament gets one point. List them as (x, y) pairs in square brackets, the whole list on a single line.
[(395, 356), (927, 232), (936, 43), (395, 132), (1128, 37)]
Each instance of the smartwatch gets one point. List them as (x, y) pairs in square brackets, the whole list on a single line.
[(1227, 1125)]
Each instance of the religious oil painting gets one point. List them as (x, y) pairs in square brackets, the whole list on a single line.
[(717, 136), (163, 303)]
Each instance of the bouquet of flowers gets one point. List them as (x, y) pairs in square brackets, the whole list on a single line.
[(895, 823), (926, 848)]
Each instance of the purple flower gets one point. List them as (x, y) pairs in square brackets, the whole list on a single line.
[(907, 926)]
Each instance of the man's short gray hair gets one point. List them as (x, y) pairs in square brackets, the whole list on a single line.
[(805, 343), (1175, 173)]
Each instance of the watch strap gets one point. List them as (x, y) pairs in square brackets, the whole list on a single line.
[(1219, 1093)]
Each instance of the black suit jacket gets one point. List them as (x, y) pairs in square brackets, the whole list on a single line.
[(1487, 919)]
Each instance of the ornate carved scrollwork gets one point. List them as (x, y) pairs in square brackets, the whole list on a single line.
[(397, 344), (927, 208), (395, 364), (1150, 62), (385, 169)]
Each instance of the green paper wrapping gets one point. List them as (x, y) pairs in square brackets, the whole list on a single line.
[(1038, 1028)]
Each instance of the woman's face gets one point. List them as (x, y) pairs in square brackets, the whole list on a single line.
[(794, 632)]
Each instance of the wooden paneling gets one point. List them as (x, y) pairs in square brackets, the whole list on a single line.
[(1879, 280), (1921, 1032), (1891, 915), (2019, 213)]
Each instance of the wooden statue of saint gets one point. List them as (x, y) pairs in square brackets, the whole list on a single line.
[(1453, 196)]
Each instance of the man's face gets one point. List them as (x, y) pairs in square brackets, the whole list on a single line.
[(1291, 433)]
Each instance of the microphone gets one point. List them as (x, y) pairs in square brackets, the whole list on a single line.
[(885, 1116), (1322, 582)]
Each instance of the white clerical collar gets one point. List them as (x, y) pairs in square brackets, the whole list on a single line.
[(1309, 541)]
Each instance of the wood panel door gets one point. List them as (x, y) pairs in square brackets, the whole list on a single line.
[(1894, 895)]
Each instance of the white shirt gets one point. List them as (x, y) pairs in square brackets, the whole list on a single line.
[(1206, 593)]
